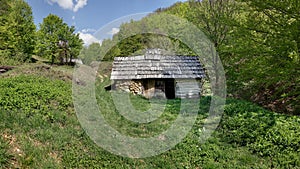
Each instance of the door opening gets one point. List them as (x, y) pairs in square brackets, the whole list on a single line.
[(170, 88)]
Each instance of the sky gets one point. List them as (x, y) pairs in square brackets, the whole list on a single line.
[(90, 16)]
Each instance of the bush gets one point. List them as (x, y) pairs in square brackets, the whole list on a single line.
[(243, 122), (281, 142), (6, 58), (33, 94), (264, 132)]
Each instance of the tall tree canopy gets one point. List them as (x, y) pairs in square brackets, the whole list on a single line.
[(264, 54), (57, 41), (90, 53), (17, 30)]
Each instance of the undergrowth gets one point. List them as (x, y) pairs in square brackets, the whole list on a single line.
[(41, 130)]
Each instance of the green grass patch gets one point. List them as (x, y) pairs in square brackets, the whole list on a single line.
[(4, 152), (53, 72), (34, 95), (42, 131)]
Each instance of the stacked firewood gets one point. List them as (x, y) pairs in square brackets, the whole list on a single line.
[(136, 87)]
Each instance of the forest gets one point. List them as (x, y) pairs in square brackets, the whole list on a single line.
[(257, 41), (54, 40)]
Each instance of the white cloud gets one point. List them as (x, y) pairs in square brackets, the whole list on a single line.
[(88, 38), (69, 4), (80, 4), (113, 31), (73, 17), (65, 4), (88, 30)]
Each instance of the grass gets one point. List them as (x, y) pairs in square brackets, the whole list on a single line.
[(4, 154), (39, 129), (43, 70)]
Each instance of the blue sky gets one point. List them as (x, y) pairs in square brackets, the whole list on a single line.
[(88, 16)]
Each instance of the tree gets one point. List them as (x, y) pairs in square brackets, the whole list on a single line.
[(48, 37), (69, 44), (57, 41), (213, 17), (17, 29), (4, 15), (266, 54), (281, 23), (23, 27), (75, 44), (90, 53), (109, 49)]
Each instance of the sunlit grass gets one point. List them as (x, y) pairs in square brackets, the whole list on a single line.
[(52, 137)]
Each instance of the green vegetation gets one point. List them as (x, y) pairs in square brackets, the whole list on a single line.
[(40, 129), (57, 41), (257, 41), (265, 133), (88, 54), (4, 154), (17, 32), (25, 94), (19, 40)]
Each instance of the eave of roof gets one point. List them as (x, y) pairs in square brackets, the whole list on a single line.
[(157, 66)]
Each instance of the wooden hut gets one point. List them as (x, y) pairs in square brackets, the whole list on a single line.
[(157, 75)]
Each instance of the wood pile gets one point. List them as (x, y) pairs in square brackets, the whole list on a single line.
[(136, 87), (133, 86)]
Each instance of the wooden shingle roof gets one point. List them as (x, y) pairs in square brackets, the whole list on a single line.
[(156, 66)]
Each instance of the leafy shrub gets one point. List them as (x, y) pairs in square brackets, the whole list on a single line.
[(264, 132), (33, 101), (281, 142), (243, 122), (32, 94)]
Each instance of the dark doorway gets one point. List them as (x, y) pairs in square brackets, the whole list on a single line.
[(170, 88)]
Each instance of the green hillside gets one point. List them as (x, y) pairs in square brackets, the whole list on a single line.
[(40, 130), (257, 41)]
